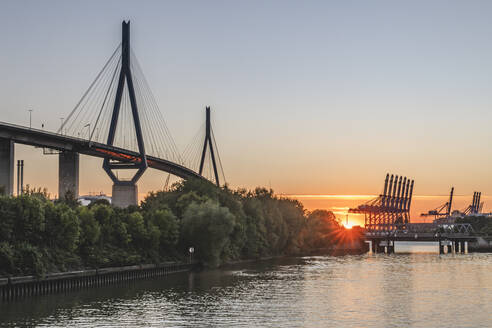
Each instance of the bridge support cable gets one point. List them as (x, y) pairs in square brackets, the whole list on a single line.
[(162, 145), (111, 90), (119, 117), (121, 82), (87, 106), (159, 128), (218, 155), (192, 152), (202, 153)]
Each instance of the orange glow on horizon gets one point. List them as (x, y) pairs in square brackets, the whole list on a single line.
[(350, 224), (346, 197)]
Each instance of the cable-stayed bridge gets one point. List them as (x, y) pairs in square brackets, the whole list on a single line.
[(116, 119)]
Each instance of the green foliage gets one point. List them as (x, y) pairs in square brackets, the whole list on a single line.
[(37, 235), (69, 199), (321, 225), (167, 226), (101, 201), (6, 258), (28, 260), (137, 230), (62, 226), (90, 229), (90, 233), (7, 218), (207, 226), (29, 221)]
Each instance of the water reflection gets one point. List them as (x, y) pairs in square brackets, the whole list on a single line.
[(369, 290)]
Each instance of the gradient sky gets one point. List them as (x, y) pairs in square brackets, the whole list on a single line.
[(308, 97)]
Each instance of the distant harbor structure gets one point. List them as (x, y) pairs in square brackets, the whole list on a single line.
[(86, 200), (389, 230), (390, 211), (443, 214)]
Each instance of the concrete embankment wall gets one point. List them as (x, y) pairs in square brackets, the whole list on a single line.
[(12, 288)]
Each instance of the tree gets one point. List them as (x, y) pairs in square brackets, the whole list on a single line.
[(8, 214), (90, 232), (69, 199), (62, 226), (136, 229), (186, 199), (256, 232), (207, 227), (28, 260), (6, 258), (321, 225), (29, 224), (167, 224)]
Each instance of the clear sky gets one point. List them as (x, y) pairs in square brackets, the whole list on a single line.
[(310, 97)]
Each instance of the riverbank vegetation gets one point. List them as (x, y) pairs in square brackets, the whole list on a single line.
[(38, 235)]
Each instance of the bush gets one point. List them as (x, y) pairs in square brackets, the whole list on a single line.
[(7, 265), (28, 260), (62, 226)]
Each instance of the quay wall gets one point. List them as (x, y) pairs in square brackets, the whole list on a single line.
[(12, 288)]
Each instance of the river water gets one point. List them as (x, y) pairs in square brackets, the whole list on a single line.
[(420, 290)]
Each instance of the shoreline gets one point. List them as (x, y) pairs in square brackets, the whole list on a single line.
[(16, 287)]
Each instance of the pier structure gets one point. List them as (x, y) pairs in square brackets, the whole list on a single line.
[(453, 239)]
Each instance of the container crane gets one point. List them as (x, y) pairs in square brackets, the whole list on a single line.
[(476, 206), (443, 210)]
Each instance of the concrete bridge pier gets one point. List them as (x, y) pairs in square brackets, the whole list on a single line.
[(369, 242), (7, 165), (68, 174), (124, 194)]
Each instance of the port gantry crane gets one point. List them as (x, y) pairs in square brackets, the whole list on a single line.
[(442, 211), (442, 214), (476, 206), (390, 211)]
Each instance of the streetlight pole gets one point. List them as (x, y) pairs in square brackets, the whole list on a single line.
[(191, 250), (30, 118), (89, 126)]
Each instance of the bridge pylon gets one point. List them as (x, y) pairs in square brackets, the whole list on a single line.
[(125, 191), (208, 143)]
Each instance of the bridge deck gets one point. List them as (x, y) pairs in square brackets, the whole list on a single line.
[(42, 138)]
